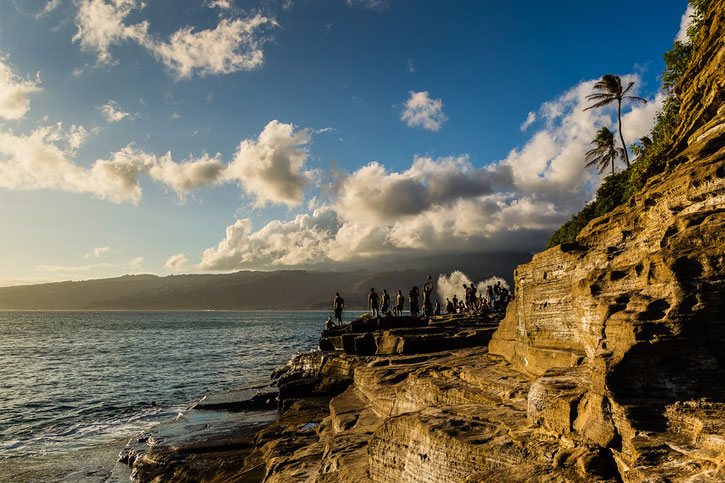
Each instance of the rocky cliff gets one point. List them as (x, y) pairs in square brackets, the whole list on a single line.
[(608, 366)]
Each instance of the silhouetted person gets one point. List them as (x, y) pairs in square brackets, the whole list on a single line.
[(337, 305), (374, 303), (399, 303), (427, 289), (385, 303), (449, 306), (329, 324), (437, 308), (413, 298), (455, 303), (474, 297)]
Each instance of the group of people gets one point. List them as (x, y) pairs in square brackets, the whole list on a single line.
[(495, 299)]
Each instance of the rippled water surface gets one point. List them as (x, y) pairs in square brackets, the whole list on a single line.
[(78, 379)]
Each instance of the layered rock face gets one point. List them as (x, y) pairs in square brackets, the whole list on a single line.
[(630, 319)]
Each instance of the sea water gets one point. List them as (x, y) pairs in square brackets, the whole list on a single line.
[(71, 380)]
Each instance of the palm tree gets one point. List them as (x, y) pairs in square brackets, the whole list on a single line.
[(604, 151), (642, 147), (607, 90)]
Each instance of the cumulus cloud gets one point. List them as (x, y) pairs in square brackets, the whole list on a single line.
[(685, 22), (102, 24), (189, 175), (14, 92), (306, 239), (43, 159), (113, 113), (271, 168), (97, 252), (176, 262), (220, 4), (233, 45), (422, 111), (442, 205), (530, 118)]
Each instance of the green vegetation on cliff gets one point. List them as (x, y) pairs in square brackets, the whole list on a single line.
[(618, 188)]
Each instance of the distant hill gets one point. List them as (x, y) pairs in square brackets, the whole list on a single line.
[(285, 289)]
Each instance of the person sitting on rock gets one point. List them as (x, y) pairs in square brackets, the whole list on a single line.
[(329, 324), (374, 303), (337, 305), (399, 303), (385, 303), (449, 306)]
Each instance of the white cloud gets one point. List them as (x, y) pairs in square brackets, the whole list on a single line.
[(411, 66), (639, 121), (48, 8), (97, 252), (377, 5), (113, 113), (133, 265), (220, 4), (684, 24), (102, 25), (43, 159), (420, 110), (271, 168), (189, 175), (530, 118), (306, 239), (176, 262), (14, 91), (232, 46)]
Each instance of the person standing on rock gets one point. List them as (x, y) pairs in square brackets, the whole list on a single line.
[(385, 305), (337, 305), (399, 303), (455, 303), (427, 289), (374, 303), (413, 299)]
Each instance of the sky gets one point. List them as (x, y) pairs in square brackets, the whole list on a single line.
[(221, 135)]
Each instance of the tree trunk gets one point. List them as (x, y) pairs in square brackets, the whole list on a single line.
[(621, 136)]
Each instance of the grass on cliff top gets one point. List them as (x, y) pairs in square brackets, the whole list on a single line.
[(617, 189)]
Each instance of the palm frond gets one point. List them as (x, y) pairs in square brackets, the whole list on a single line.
[(635, 98), (600, 104), (628, 88)]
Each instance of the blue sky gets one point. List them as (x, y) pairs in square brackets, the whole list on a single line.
[(190, 136)]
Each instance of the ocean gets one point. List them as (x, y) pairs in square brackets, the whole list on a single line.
[(76, 380)]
